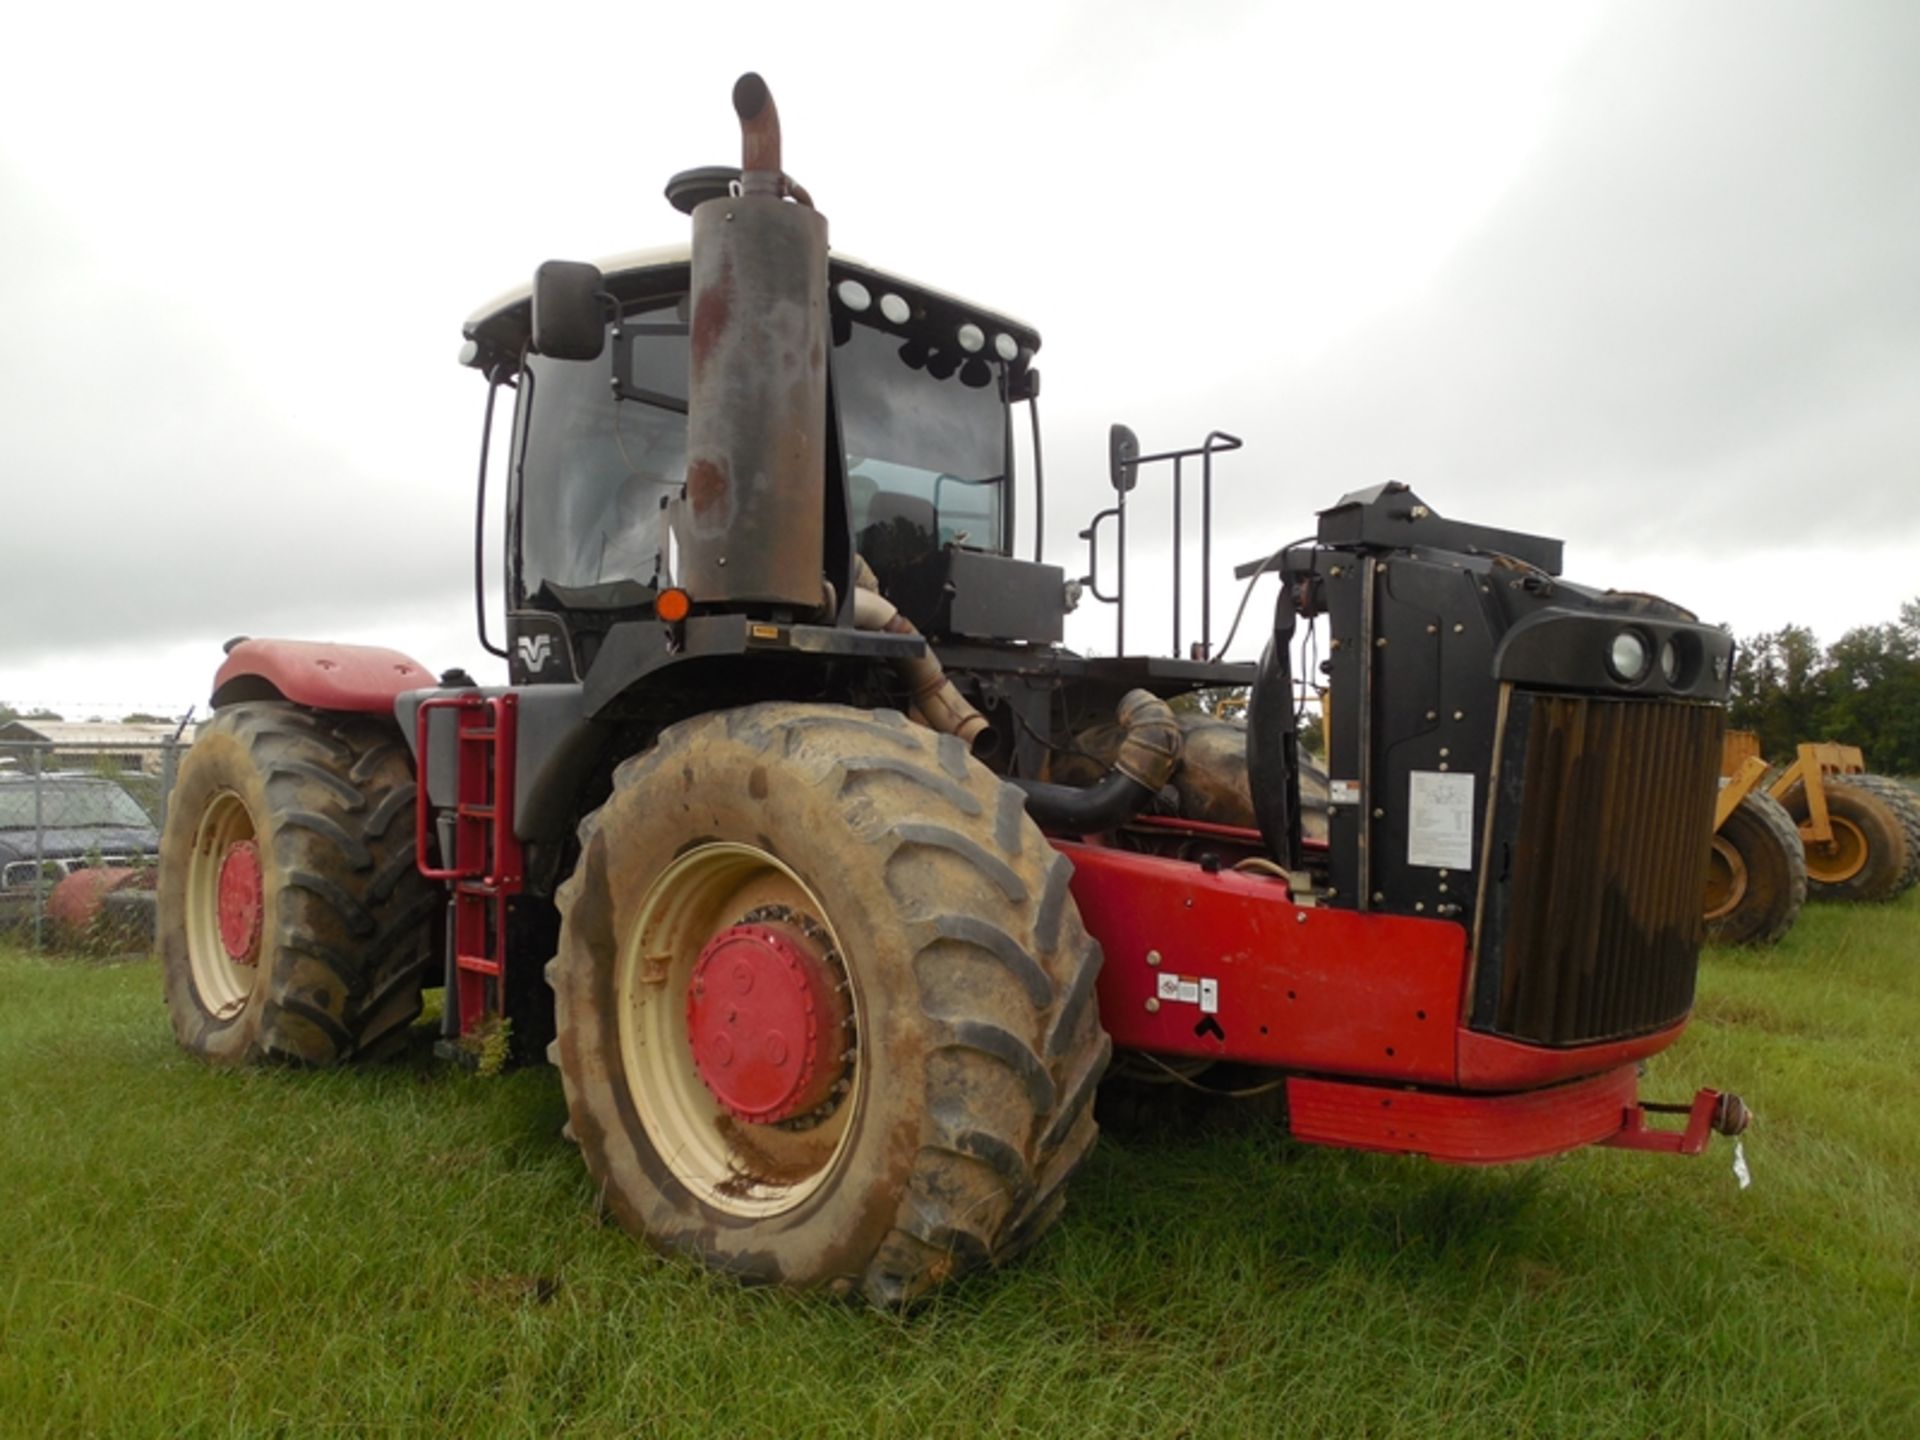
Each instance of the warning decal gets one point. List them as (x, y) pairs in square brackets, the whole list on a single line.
[(1190, 990), (1440, 820)]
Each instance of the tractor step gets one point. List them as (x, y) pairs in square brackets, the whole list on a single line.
[(485, 869)]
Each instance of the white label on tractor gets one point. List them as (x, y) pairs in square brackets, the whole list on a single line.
[(1343, 792), (1440, 820), (1190, 990)]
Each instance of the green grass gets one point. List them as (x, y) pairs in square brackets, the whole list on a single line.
[(416, 1251)]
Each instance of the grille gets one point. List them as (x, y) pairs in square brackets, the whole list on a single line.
[(1602, 823)]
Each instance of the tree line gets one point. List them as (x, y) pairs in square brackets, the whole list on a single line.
[(1864, 689)]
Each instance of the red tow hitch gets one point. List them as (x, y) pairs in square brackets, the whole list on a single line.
[(1710, 1112)]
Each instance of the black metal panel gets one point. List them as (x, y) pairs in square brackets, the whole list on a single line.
[(1590, 919), (982, 596), (1392, 517)]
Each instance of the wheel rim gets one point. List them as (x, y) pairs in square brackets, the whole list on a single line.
[(709, 897), (224, 906), (1726, 879), (1841, 858)]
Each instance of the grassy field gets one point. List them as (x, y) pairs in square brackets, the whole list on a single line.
[(416, 1251)]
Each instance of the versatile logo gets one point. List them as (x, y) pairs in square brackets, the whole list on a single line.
[(536, 650)]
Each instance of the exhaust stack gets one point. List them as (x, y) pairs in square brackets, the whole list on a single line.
[(751, 528)]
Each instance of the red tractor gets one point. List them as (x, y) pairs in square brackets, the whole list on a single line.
[(835, 881)]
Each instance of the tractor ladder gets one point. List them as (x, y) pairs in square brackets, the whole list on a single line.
[(481, 856)]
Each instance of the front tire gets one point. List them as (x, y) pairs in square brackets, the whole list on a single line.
[(293, 923), (932, 933), (1757, 878)]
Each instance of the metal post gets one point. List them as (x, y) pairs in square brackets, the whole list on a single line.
[(1120, 590), (169, 759), (39, 844), (1177, 547), (1206, 550)]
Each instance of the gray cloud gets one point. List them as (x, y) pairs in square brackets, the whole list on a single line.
[(1694, 322)]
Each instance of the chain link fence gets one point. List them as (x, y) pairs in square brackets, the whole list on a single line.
[(80, 825)]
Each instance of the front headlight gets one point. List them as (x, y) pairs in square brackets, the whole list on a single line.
[(1670, 662), (1627, 657)]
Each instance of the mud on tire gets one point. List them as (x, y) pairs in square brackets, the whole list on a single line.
[(341, 927), (976, 1044)]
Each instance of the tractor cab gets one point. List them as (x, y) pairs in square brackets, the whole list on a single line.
[(920, 447)]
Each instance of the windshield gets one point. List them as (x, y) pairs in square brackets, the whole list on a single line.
[(926, 443), (602, 445), (70, 805)]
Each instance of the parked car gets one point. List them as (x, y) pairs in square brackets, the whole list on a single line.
[(80, 822)]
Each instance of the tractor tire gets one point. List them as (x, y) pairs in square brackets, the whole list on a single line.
[(869, 873), (1757, 879), (293, 922), (1870, 857), (1906, 804)]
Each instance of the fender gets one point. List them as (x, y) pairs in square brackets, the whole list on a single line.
[(365, 679)]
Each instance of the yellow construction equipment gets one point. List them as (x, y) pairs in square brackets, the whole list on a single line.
[(1844, 834)]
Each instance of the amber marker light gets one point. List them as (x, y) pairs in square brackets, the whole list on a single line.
[(673, 606)]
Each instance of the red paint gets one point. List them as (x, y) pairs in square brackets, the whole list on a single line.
[(766, 1022), (1338, 993), (1636, 1135), (1300, 988), (1239, 834), (1236, 834), (238, 902), (76, 901), (1464, 1129), (364, 679), (487, 867), (1488, 1062)]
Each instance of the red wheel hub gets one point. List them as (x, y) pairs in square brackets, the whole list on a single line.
[(239, 900), (767, 1020)]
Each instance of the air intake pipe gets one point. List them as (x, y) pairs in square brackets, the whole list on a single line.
[(1149, 754)]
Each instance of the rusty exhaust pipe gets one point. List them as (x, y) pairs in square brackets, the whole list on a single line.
[(751, 528), (760, 171)]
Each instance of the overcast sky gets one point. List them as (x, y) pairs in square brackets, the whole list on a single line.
[(1642, 276)]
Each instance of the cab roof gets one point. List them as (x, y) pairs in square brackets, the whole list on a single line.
[(499, 329)]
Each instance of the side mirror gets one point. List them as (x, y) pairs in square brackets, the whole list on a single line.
[(1123, 448), (568, 321)]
